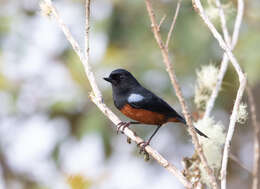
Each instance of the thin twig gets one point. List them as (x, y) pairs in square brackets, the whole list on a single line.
[(162, 20), (198, 7), (87, 27), (179, 94), (86, 64), (230, 133), (242, 79), (237, 161), (77, 49), (238, 22), (96, 96), (224, 62), (223, 23), (173, 24), (256, 162), (214, 94)]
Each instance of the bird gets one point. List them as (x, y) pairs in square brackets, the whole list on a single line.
[(140, 104)]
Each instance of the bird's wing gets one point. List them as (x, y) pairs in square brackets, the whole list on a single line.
[(144, 99)]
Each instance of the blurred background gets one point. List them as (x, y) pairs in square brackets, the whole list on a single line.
[(53, 136)]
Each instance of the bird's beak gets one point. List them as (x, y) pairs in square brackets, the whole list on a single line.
[(108, 79)]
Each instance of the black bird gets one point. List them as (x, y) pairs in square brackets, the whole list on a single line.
[(140, 104)]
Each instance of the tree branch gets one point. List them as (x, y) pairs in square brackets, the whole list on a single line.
[(198, 7), (238, 22), (230, 133), (173, 24), (224, 62), (96, 96), (256, 162), (242, 79), (236, 160), (179, 94), (162, 20), (223, 23)]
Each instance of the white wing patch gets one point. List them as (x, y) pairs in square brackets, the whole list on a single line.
[(135, 98)]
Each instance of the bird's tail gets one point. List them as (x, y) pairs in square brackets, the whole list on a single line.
[(182, 120)]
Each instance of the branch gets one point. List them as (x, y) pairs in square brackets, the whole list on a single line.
[(162, 20), (224, 62), (239, 17), (236, 160), (173, 24), (230, 133), (179, 94), (223, 23), (255, 184), (242, 79), (96, 96), (87, 27), (198, 7)]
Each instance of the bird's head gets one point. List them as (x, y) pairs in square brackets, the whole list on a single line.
[(121, 79)]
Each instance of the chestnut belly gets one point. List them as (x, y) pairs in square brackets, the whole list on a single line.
[(144, 116)]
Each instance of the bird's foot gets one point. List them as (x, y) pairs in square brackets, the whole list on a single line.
[(128, 140), (142, 146), (122, 125)]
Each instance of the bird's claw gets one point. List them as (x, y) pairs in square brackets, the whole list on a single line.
[(128, 140), (142, 146), (146, 156), (122, 124)]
